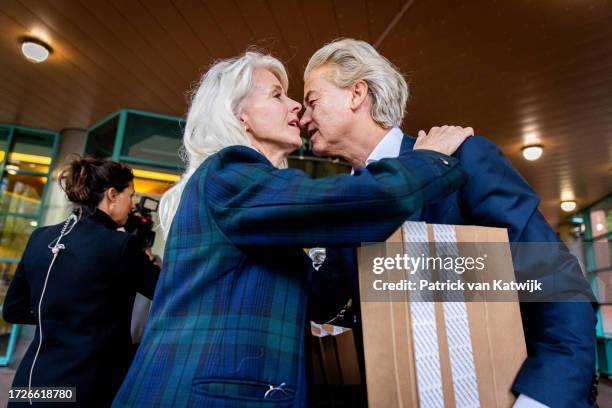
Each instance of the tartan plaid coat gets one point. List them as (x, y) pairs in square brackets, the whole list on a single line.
[(229, 319)]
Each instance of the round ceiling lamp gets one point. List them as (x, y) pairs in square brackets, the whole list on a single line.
[(532, 152), (35, 50), (568, 206)]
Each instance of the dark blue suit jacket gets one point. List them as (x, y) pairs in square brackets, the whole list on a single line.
[(560, 336)]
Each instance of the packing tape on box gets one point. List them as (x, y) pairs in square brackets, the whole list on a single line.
[(457, 325), (423, 317), (425, 332)]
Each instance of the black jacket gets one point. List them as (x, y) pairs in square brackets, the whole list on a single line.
[(86, 310)]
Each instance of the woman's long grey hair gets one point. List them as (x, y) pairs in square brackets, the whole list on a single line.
[(213, 118)]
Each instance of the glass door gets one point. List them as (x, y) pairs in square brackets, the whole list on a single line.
[(26, 158)]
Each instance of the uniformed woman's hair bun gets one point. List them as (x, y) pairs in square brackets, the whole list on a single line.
[(86, 179)]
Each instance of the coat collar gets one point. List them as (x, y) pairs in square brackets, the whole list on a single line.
[(103, 218), (407, 143)]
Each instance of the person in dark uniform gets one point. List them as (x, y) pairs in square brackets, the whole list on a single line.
[(77, 282)]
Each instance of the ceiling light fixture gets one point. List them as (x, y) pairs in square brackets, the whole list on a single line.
[(11, 169), (568, 206), (532, 152), (35, 50)]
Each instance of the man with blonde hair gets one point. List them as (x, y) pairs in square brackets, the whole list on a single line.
[(355, 101)]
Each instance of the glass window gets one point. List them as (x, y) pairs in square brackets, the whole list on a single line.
[(31, 151), (14, 235), (602, 254), (21, 193), (3, 140), (152, 139), (149, 187), (153, 181), (7, 271), (101, 140), (606, 319), (604, 287), (601, 218)]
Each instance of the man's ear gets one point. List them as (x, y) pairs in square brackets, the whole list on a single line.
[(359, 93)]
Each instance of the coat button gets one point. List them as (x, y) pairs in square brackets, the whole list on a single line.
[(444, 161)]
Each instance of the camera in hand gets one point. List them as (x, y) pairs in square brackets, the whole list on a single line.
[(140, 220)]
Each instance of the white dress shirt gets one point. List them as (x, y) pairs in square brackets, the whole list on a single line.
[(388, 147), (524, 401)]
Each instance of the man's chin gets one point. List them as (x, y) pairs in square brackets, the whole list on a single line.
[(319, 150)]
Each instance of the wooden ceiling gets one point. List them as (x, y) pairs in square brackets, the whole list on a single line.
[(517, 71)]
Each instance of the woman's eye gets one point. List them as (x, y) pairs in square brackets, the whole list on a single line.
[(278, 95)]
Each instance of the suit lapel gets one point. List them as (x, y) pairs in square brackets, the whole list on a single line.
[(407, 143)]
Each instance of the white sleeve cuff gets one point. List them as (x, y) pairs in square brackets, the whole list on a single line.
[(524, 401)]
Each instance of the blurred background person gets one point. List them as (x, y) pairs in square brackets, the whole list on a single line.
[(77, 281)]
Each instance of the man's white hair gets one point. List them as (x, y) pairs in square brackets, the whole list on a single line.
[(354, 60), (213, 118)]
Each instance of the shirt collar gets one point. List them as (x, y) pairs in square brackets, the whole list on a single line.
[(388, 147)]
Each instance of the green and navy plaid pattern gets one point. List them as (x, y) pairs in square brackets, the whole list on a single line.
[(229, 315)]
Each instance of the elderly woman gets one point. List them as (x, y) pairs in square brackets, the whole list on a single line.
[(229, 321)]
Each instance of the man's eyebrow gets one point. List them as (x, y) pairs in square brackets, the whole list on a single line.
[(308, 95), (277, 88)]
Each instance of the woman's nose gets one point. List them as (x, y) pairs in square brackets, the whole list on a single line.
[(295, 106)]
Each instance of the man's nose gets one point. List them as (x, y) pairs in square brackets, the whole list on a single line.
[(306, 118)]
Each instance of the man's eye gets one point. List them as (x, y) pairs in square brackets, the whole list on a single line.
[(278, 95)]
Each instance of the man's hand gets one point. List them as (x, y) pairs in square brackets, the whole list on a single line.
[(152, 257), (445, 139)]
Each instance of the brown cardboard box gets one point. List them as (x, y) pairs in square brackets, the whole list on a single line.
[(334, 355), (495, 332)]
